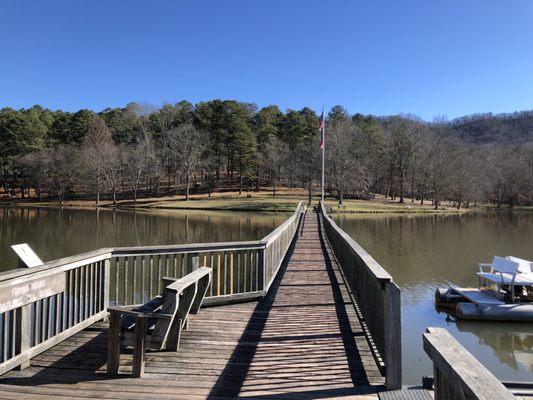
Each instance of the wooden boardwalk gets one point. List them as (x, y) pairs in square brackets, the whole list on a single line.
[(301, 341)]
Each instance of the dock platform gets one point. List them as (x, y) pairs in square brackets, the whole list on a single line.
[(477, 296), (302, 341)]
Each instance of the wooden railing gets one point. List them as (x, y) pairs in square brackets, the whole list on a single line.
[(276, 245), (458, 375), (136, 272), (41, 306), (240, 269), (376, 297)]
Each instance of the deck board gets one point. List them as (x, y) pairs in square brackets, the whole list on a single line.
[(303, 340), (477, 296)]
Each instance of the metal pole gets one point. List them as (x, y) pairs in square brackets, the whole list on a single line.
[(323, 148)]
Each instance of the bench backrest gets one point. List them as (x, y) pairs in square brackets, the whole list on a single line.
[(179, 296), (170, 302), (525, 266), (180, 284), (504, 265)]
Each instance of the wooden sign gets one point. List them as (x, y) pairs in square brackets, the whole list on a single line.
[(27, 255), (27, 292)]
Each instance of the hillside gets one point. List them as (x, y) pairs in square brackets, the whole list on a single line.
[(515, 128)]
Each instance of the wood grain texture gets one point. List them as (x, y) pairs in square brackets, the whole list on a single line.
[(303, 340), (458, 374), (377, 298)]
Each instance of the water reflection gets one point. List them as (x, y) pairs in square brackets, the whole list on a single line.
[(55, 233), (512, 343), (426, 252)]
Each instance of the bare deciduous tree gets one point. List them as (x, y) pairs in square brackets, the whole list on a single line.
[(189, 145), (95, 150), (59, 166), (341, 156), (403, 136), (136, 160)]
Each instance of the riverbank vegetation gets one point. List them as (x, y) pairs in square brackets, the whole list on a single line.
[(139, 153)]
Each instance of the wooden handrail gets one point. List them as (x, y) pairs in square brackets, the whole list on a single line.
[(276, 232), (377, 299), (277, 244), (59, 265), (458, 374), (71, 262), (46, 304), (185, 248), (378, 271)]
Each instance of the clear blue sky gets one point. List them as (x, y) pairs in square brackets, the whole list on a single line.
[(425, 57)]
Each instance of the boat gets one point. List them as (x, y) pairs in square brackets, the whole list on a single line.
[(504, 293)]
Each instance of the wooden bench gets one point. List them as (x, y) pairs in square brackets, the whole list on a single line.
[(156, 325), (507, 273)]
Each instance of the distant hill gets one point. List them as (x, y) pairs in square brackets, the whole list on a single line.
[(515, 128)]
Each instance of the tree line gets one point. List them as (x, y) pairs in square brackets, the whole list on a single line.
[(231, 145)]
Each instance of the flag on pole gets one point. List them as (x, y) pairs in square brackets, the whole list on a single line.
[(321, 127)]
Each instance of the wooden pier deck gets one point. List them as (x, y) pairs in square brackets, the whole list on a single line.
[(303, 340)]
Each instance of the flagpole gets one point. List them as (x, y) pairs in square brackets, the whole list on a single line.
[(323, 148)]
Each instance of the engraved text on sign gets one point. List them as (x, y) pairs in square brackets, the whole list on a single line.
[(33, 290)]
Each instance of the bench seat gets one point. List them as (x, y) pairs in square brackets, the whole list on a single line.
[(156, 325), (507, 279)]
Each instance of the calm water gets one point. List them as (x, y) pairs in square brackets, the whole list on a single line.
[(422, 253), (55, 233), (426, 252)]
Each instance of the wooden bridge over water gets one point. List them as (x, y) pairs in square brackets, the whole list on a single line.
[(290, 316)]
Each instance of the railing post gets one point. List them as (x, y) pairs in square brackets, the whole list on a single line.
[(393, 336), (23, 333), (193, 262), (261, 269), (107, 283)]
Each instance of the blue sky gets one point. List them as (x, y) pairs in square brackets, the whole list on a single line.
[(426, 57)]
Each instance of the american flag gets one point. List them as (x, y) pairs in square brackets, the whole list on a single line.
[(321, 126)]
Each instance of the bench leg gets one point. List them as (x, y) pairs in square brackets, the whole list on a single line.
[(113, 344), (173, 340), (139, 348)]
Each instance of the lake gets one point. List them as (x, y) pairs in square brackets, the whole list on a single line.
[(423, 253), (54, 233)]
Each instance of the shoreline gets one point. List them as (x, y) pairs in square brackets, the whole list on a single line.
[(260, 202)]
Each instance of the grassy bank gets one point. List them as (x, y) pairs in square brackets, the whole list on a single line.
[(256, 201), (285, 201), (381, 205)]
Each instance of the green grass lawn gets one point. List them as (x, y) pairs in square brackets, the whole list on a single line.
[(256, 202), (384, 206), (286, 200)]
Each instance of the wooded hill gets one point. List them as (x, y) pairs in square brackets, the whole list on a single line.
[(225, 144), (515, 128)]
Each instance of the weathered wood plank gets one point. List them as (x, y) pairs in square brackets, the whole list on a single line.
[(23, 293), (458, 374), (376, 298), (302, 340), (139, 348)]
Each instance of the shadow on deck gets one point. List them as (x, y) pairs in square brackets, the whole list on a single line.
[(301, 341)]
